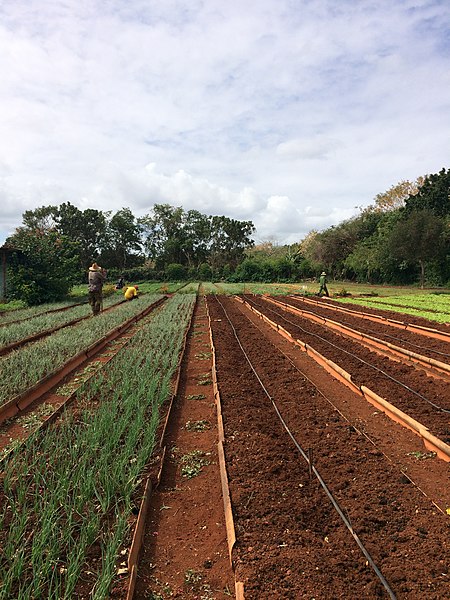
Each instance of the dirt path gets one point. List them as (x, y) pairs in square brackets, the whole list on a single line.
[(185, 552)]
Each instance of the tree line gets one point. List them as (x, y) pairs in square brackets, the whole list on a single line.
[(402, 238), (56, 244)]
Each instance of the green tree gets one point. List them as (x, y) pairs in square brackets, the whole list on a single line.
[(363, 261), (329, 248), (249, 269), (229, 239), (433, 195), (175, 272), (418, 240), (40, 219), (88, 228), (163, 237), (196, 236), (44, 267), (124, 247), (192, 238), (205, 272)]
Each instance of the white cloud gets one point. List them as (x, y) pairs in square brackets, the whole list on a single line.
[(318, 147), (254, 111)]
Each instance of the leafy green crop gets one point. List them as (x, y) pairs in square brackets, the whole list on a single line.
[(434, 307)]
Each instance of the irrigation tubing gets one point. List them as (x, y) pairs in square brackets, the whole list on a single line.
[(387, 335), (406, 387), (313, 469)]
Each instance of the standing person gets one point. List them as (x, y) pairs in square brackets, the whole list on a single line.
[(96, 278), (131, 292), (323, 285)]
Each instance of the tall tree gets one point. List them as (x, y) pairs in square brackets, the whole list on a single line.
[(397, 194), (124, 245), (229, 238), (196, 238), (162, 230), (418, 240), (44, 268), (87, 227), (40, 219), (192, 238), (434, 195)]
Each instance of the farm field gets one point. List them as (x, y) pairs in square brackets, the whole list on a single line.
[(302, 287), (330, 495), (435, 307)]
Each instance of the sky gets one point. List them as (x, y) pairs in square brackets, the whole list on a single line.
[(293, 114)]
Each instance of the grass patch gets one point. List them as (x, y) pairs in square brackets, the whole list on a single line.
[(35, 418), (422, 455), (192, 463), (198, 425), (203, 355), (196, 397)]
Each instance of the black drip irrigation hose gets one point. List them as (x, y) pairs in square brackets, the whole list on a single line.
[(403, 385), (391, 337), (308, 459)]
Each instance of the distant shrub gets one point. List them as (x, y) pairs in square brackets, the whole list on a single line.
[(342, 293), (204, 272), (175, 272), (109, 289)]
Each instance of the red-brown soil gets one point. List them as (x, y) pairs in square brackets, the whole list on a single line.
[(290, 542), (405, 386), (427, 346), (185, 552)]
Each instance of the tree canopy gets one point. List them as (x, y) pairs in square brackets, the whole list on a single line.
[(403, 237)]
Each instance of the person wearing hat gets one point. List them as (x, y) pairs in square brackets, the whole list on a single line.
[(323, 285), (96, 279), (131, 292)]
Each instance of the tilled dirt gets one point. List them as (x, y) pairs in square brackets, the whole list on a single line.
[(290, 542), (390, 314), (408, 388), (185, 552), (414, 342)]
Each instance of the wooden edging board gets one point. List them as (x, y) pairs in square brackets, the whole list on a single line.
[(23, 400), (426, 331), (432, 366), (229, 521), (430, 441), (136, 544)]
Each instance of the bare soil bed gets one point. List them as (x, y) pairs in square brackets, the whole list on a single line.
[(406, 387), (434, 348), (290, 541)]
